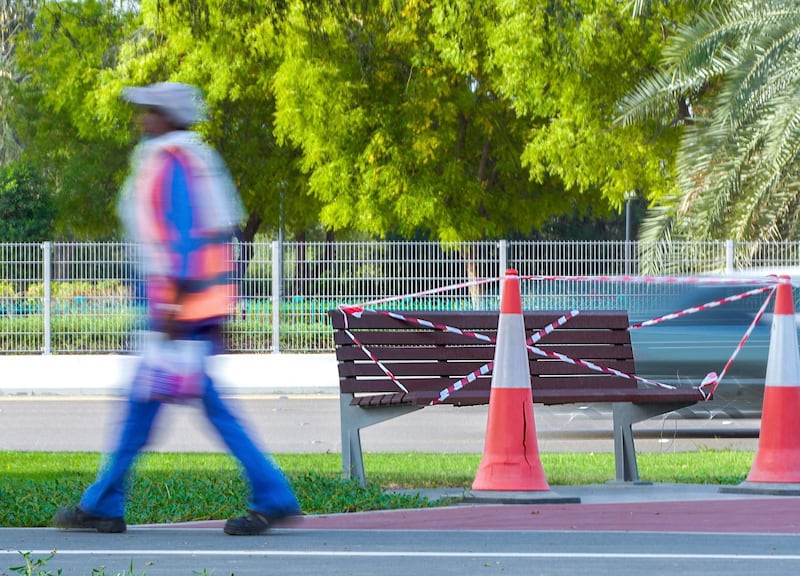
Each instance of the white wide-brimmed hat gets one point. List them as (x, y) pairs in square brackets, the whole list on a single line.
[(181, 103)]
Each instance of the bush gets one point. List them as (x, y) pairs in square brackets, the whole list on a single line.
[(7, 290), (25, 204)]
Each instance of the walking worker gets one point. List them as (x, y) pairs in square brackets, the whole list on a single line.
[(181, 207)]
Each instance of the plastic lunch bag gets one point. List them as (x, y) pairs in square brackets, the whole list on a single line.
[(171, 370)]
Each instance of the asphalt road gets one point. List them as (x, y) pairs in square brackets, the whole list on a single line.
[(158, 552), (310, 423)]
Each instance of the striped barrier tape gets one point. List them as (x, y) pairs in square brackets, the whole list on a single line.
[(594, 367), (676, 280), (430, 292), (486, 368), (669, 280), (707, 306), (711, 380), (376, 360), (744, 339)]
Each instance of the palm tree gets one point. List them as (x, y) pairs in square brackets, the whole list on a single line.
[(735, 73)]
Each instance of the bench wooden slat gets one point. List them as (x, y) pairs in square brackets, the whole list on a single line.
[(388, 353), (469, 320), (456, 370), (552, 397), (482, 385), (417, 337), (456, 353), (578, 395), (433, 385)]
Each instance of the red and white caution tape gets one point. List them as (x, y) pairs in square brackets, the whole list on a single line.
[(468, 379), (539, 334), (711, 380), (426, 292), (670, 280), (486, 368), (378, 362), (707, 306), (744, 339), (594, 367)]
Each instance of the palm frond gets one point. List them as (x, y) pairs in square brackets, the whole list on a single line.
[(737, 165), (654, 98)]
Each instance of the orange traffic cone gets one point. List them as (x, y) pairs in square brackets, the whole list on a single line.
[(776, 467), (511, 454), (778, 455)]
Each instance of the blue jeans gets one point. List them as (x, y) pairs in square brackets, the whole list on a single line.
[(271, 493)]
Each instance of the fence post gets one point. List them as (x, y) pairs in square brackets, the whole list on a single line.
[(277, 279), (46, 297), (502, 249), (730, 263)]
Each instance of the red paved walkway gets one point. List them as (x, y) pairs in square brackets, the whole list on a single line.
[(756, 515)]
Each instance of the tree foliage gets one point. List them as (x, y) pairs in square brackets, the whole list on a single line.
[(440, 118), (229, 49), (399, 127), (562, 66), (71, 129), (26, 210), (469, 121), (16, 17)]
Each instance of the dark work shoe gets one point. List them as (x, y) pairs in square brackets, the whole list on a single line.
[(255, 523), (77, 519), (252, 524)]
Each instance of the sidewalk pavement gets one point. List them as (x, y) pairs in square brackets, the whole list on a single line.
[(613, 507)]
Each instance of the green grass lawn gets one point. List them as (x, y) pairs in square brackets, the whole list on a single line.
[(194, 486)]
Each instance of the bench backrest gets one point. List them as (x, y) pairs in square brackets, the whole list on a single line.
[(427, 361)]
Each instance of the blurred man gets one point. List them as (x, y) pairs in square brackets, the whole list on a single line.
[(181, 207)]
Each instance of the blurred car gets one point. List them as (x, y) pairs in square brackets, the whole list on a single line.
[(682, 351)]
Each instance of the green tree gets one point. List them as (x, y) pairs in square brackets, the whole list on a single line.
[(440, 118), (230, 50), (76, 124), (470, 121), (16, 17), (70, 128), (399, 130), (735, 68), (26, 208), (563, 66)]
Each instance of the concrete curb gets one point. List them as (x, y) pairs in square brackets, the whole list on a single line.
[(109, 374)]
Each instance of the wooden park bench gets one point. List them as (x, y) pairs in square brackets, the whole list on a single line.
[(428, 361)]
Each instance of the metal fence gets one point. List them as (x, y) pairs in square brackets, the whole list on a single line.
[(66, 298)]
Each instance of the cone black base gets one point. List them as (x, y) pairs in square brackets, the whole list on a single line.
[(520, 497), (765, 488)]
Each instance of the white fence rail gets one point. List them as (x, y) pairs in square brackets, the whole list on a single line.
[(67, 298)]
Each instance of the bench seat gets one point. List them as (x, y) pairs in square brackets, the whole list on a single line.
[(418, 363), (548, 397)]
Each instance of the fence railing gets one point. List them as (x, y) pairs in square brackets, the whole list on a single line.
[(67, 298)]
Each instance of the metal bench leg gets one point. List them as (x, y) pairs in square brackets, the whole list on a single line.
[(624, 449), (352, 460), (625, 416), (353, 419)]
